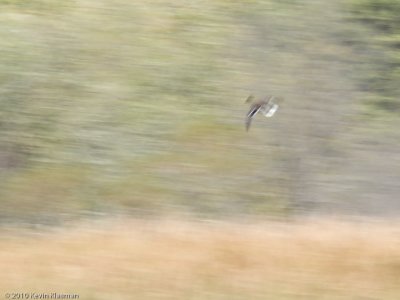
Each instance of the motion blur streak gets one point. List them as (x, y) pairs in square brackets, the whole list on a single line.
[(136, 110), (128, 106)]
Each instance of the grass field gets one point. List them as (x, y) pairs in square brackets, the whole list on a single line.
[(139, 106), (136, 259)]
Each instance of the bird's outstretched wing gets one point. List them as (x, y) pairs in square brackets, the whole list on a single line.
[(248, 123), (254, 109)]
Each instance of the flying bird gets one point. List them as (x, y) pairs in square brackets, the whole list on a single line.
[(266, 106)]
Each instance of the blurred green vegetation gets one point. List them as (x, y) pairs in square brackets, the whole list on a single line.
[(138, 107), (382, 16)]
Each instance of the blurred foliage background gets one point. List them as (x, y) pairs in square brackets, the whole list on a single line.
[(138, 107)]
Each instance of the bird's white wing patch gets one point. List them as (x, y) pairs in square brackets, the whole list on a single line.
[(271, 111)]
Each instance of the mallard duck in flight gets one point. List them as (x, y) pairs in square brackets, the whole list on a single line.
[(266, 106)]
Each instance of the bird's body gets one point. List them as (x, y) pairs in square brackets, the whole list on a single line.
[(265, 106)]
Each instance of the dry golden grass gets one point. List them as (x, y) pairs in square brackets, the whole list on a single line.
[(133, 259)]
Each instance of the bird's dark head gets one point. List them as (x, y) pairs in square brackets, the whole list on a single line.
[(249, 99)]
